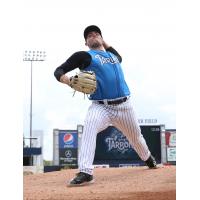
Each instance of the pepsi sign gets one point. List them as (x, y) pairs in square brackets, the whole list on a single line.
[(68, 139), (68, 147)]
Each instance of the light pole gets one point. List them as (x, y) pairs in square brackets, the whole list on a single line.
[(33, 56)]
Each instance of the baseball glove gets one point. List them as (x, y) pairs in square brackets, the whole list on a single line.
[(84, 82)]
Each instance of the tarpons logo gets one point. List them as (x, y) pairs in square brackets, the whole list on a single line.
[(104, 60), (118, 142)]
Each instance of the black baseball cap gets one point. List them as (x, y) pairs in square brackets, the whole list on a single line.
[(90, 29)]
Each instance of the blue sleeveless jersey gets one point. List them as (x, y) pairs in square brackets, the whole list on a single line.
[(109, 75)]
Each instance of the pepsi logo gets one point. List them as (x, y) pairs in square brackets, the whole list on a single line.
[(68, 138)]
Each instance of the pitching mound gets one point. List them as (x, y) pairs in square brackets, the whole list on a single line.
[(110, 184)]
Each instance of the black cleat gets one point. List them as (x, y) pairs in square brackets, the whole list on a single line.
[(151, 162), (81, 179)]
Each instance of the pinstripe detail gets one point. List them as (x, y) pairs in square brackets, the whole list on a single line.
[(127, 123), (98, 118)]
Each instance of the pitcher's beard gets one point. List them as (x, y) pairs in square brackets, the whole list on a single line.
[(95, 45)]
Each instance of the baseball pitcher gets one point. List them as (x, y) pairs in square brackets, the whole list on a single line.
[(102, 78)]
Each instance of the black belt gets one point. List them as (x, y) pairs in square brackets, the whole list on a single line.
[(114, 102)]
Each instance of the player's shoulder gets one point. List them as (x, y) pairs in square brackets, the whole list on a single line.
[(81, 53), (81, 59)]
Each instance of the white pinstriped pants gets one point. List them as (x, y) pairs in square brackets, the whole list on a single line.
[(98, 118)]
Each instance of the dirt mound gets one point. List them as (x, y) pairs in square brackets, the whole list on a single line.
[(110, 184)]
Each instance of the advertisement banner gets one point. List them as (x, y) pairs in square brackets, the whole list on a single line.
[(170, 138), (68, 147), (113, 145), (68, 156), (171, 154), (68, 139)]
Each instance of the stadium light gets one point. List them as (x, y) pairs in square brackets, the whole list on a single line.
[(32, 56)]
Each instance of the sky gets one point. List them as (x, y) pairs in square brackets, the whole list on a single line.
[(141, 31)]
